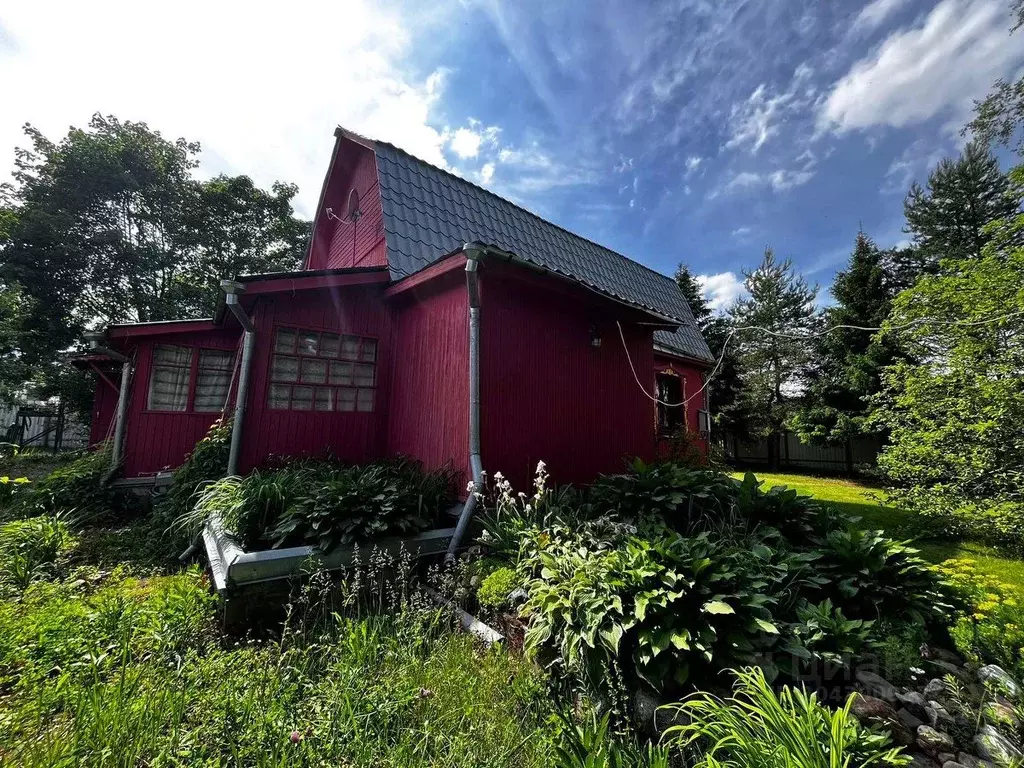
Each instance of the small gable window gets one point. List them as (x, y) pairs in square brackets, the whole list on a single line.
[(671, 417), (322, 371)]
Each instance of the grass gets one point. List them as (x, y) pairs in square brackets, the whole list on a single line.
[(870, 505), (125, 665)]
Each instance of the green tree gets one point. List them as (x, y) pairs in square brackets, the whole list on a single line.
[(947, 217), (956, 448), (724, 388), (999, 117), (108, 225), (847, 364), (772, 325)]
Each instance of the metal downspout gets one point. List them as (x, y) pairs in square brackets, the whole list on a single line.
[(473, 255), (232, 290)]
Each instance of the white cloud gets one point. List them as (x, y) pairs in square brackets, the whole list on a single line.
[(487, 172), (693, 163), (261, 90), (465, 143), (935, 68), (537, 171), (779, 180), (761, 116), (624, 164), (913, 164), (741, 232), (721, 290), (872, 15)]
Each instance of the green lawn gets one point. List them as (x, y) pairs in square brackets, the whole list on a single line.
[(870, 505)]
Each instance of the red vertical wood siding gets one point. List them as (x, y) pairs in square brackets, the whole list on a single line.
[(693, 379), (157, 440), (348, 435), (428, 412), (547, 393), (104, 406), (341, 242)]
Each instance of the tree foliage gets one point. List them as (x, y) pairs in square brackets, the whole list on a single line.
[(954, 414), (947, 216), (772, 360), (724, 388), (847, 363), (109, 225), (999, 117)]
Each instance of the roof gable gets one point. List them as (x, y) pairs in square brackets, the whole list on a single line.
[(430, 213)]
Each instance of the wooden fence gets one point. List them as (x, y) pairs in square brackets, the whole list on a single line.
[(793, 454)]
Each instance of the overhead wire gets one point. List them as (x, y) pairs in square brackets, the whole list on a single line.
[(801, 337)]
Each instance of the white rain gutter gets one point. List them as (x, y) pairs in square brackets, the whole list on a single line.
[(95, 338), (234, 567), (232, 289), (474, 253)]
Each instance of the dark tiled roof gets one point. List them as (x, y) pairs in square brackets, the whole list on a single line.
[(429, 213)]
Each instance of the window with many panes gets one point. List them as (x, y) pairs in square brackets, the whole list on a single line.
[(171, 379), (322, 371)]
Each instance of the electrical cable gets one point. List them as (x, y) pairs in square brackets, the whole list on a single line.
[(800, 336)]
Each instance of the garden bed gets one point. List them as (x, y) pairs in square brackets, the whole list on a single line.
[(232, 566)]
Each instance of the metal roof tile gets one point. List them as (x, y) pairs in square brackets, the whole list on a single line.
[(429, 213)]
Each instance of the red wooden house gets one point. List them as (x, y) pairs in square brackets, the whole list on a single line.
[(372, 350)]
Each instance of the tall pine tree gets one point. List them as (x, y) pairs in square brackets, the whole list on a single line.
[(846, 366), (947, 217), (772, 325)]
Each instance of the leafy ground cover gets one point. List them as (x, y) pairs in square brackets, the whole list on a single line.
[(873, 507)]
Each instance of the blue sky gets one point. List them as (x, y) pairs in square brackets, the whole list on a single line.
[(699, 130)]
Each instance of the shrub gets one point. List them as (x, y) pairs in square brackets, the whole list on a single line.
[(757, 728), (324, 503), (77, 486), (207, 462), (496, 587), (871, 575), (30, 548), (824, 635), (990, 626)]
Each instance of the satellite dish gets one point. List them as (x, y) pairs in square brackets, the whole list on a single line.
[(353, 206)]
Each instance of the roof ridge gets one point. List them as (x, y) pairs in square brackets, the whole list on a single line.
[(525, 210)]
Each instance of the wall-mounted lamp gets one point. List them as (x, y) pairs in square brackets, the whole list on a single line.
[(595, 337)]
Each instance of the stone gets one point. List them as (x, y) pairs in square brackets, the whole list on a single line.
[(933, 742), (945, 757), (947, 668), (997, 677), (935, 690), (941, 654), (877, 686), (873, 711), (998, 713), (938, 717), (920, 761), (991, 745), (914, 703), (970, 761), (953, 764), (909, 719)]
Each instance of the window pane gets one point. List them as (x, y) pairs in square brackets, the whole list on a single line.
[(341, 373), (309, 342), (330, 343), (364, 374), (302, 398), (280, 396), (213, 379), (284, 340), (169, 380), (164, 354), (314, 371), (324, 399), (284, 368), (346, 399), (369, 353), (349, 347), (364, 400)]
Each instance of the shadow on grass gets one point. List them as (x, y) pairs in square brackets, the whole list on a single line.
[(139, 542)]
